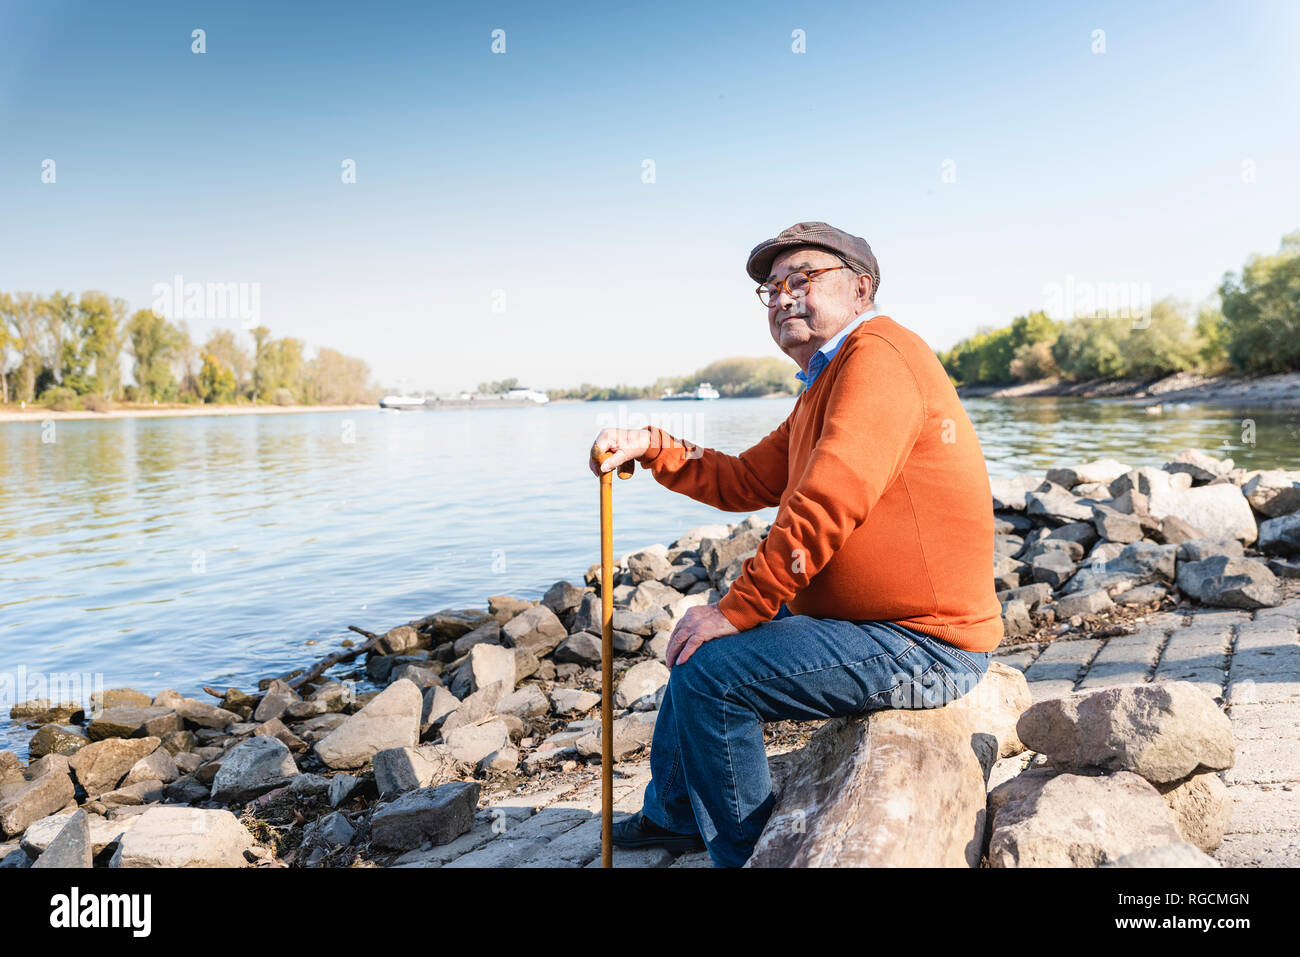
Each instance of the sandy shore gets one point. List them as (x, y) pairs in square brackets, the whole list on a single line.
[(38, 414), (1280, 391)]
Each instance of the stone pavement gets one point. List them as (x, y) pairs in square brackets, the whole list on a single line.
[(1249, 662)]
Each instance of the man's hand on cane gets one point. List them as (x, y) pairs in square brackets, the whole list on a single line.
[(626, 444), (700, 624)]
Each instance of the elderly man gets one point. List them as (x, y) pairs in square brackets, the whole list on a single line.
[(874, 585)]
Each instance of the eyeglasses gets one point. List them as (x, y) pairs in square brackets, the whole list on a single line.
[(796, 284)]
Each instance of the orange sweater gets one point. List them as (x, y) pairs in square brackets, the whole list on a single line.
[(885, 506)]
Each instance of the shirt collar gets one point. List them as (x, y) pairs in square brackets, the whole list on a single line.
[(822, 357)]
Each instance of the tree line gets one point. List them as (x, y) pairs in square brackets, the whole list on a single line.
[(1253, 329), (737, 377), (67, 351)]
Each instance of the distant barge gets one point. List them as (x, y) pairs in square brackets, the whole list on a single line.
[(514, 399)]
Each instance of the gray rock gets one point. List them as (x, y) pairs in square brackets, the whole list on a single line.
[(64, 739), (1230, 582), (132, 721), (487, 633), (397, 641), (588, 617), (198, 713), (1161, 731), (1280, 536), (562, 597), (1274, 492), (476, 707), (1084, 603), (652, 596), (582, 648), (389, 720), (486, 665), (1015, 618), (1199, 549), (1116, 526), (1099, 470), (1220, 511), (166, 836), (331, 830), (1053, 568), (100, 766), (48, 788), (527, 702), (436, 704), (572, 701), (1009, 493), (648, 565), (1202, 806), (253, 767), (398, 770), (641, 682), (437, 815), (473, 742), (538, 630), (71, 847), (277, 699), (1074, 820), (631, 733), (1169, 855), (158, 765), (341, 788), (1201, 467)]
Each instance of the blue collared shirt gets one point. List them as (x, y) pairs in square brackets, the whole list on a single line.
[(823, 356)]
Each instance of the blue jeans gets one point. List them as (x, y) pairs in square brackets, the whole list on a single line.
[(708, 763)]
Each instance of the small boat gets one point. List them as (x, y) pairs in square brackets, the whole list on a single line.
[(703, 391), (402, 402)]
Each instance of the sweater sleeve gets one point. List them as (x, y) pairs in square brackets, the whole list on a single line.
[(756, 478), (874, 416)]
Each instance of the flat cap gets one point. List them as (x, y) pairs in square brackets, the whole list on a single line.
[(852, 249)]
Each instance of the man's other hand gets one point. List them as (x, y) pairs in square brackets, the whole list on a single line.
[(700, 624)]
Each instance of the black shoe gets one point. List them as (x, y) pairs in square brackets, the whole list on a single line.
[(639, 831)]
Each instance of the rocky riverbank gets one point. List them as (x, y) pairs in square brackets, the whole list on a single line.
[(480, 744), (1277, 391)]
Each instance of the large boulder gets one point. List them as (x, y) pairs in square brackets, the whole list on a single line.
[(1220, 511), (890, 788), (1202, 806), (169, 836), (1078, 820), (1162, 731), (538, 630), (391, 719), (99, 767), (1280, 536), (1274, 492)]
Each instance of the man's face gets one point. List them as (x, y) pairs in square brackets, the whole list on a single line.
[(807, 322)]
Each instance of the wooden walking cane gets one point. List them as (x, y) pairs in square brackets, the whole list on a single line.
[(625, 471)]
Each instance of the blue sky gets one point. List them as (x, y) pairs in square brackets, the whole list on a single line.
[(522, 172)]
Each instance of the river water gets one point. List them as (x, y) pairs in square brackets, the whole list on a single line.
[(177, 552)]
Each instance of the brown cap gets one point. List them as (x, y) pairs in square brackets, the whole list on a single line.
[(852, 249)]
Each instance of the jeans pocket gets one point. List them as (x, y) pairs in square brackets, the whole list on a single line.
[(929, 687)]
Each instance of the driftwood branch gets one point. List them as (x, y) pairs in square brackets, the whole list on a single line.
[(316, 670)]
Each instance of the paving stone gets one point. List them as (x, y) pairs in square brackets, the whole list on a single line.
[(638, 857), (1062, 660), (1264, 808), (1266, 849), (1264, 761), (524, 840), (1020, 659), (1281, 662), (1208, 680), (1265, 721), (1126, 659), (1265, 634), (1272, 690), (1185, 642), (489, 824), (576, 847)]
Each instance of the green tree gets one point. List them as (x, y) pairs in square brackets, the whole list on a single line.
[(102, 340), (154, 344), (1261, 309), (223, 344), (216, 381)]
